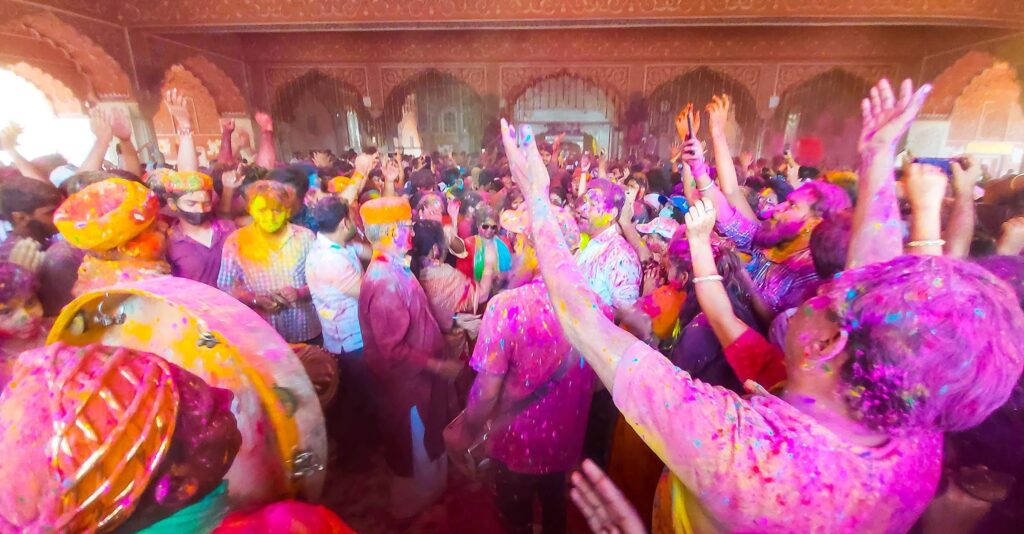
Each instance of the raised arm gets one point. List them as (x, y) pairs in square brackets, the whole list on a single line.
[(226, 155), (925, 188), (100, 125), (629, 229), (122, 130), (9, 144), (718, 116), (177, 104), (960, 227), (707, 283), (1011, 239), (875, 236), (581, 317), (267, 155), (231, 181)]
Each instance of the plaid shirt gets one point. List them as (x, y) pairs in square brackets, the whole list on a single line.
[(249, 264)]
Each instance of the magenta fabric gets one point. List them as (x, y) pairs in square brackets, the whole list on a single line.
[(521, 339), (193, 260), (763, 465), (400, 336)]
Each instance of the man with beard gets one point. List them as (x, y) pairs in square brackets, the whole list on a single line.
[(28, 205), (195, 244)]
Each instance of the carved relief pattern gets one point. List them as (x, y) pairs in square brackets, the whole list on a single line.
[(791, 75), (657, 75), (60, 96), (612, 78), (948, 86), (224, 91), (362, 11), (277, 77), (104, 74), (392, 77)]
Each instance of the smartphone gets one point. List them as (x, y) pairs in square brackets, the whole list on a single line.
[(689, 125), (946, 164)]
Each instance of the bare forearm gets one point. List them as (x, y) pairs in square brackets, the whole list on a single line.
[(225, 155), (875, 236), (925, 226), (267, 155), (94, 160), (25, 167), (188, 161), (130, 157), (712, 296), (960, 228)]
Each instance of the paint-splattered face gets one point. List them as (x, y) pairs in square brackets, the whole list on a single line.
[(269, 214), (796, 208), (811, 324), (402, 236), (595, 211), (657, 244), (545, 156), (430, 208), (767, 201), (20, 318), (195, 202)]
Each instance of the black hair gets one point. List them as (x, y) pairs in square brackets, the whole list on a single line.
[(19, 194), (426, 236), (329, 212), (830, 240), (294, 176)]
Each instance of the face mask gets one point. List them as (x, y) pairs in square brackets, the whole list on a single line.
[(194, 217)]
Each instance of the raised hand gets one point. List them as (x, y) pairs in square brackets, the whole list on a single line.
[(99, 123), (266, 123), (746, 159), (232, 179), (363, 164), (602, 504), (27, 253), (453, 210), (700, 220), (120, 125), (585, 162), (322, 160), (1011, 242), (718, 113), (682, 128), (178, 106), (227, 125), (966, 174), (9, 137), (390, 169), (887, 118), (925, 186), (524, 160)]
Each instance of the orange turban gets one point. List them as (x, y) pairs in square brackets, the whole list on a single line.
[(177, 183), (386, 210), (106, 214)]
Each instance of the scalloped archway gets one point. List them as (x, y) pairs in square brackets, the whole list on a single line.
[(61, 98), (450, 113), (202, 108), (222, 88), (105, 79)]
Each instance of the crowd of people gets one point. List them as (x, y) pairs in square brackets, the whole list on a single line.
[(700, 343)]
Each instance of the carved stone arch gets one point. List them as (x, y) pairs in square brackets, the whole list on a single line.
[(61, 97), (793, 75), (613, 80), (222, 88), (681, 84), (393, 78), (105, 78), (950, 84)]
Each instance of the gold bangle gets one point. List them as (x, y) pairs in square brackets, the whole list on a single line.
[(926, 243)]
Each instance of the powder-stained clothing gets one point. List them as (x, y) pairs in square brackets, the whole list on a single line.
[(762, 465), (520, 338), (331, 270), (194, 260), (611, 267), (253, 265), (784, 274), (399, 337)]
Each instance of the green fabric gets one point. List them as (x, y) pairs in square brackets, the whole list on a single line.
[(504, 257), (199, 518)]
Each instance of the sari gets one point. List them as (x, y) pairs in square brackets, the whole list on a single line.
[(449, 292)]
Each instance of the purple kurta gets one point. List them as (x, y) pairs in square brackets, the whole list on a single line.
[(194, 260), (399, 336)]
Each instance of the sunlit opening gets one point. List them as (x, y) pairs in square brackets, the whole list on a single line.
[(43, 132)]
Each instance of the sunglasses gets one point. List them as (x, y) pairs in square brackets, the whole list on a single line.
[(488, 227)]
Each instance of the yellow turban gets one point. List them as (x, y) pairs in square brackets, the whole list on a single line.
[(106, 214)]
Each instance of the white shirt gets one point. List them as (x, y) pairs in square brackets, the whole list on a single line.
[(331, 270), (612, 268)]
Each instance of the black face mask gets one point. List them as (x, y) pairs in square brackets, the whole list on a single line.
[(195, 218)]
